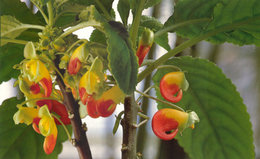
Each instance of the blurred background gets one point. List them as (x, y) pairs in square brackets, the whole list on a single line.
[(240, 64)]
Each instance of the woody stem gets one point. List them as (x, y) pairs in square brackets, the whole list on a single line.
[(73, 109), (129, 130)]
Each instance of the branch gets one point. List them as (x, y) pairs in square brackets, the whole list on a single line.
[(81, 141), (129, 130)]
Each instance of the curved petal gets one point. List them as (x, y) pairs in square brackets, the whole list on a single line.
[(106, 108), (170, 86), (92, 108), (164, 127), (171, 92), (49, 144), (60, 109), (25, 115), (74, 66), (47, 86)]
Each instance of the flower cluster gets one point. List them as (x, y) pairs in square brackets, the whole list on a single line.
[(166, 123), (35, 82), (99, 97)]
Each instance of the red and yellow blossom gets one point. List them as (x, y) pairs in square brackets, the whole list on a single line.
[(167, 122), (105, 105), (78, 55), (35, 71), (92, 82), (42, 121), (171, 86)]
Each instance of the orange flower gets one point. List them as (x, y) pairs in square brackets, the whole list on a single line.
[(106, 104), (171, 86), (167, 122)]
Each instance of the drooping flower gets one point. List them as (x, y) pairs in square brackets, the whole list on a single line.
[(35, 71), (48, 129), (171, 86), (42, 121), (91, 83), (145, 44), (166, 123), (105, 105), (78, 55)]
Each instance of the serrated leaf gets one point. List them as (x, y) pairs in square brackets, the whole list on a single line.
[(240, 18), (155, 25), (20, 11), (98, 36), (121, 57), (122, 60), (224, 130), (7, 52), (21, 141), (123, 8)]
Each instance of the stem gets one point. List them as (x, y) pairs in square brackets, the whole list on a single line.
[(81, 141), (101, 6), (136, 22), (41, 11), (129, 130), (175, 26), (189, 43), (177, 50), (159, 100), (50, 13), (65, 128), (175, 68), (145, 92), (23, 42), (79, 26), (23, 26), (74, 44)]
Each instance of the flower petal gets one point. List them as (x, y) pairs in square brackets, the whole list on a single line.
[(106, 108), (25, 115), (164, 127)]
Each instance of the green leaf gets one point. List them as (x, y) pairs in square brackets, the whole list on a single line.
[(155, 25), (21, 141), (107, 4), (224, 130), (11, 28), (123, 8), (98, 36), (19, 10), (122, 60), (150, 3), (121, 57), (7, 52), (239, 19)]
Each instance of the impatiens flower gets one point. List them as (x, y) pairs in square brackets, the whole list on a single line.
[(42, 121), (171, 86), (48, 129), (167, 122), (37, 72), (91, 83), (78, 55), (145, 44), (106, 104)]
